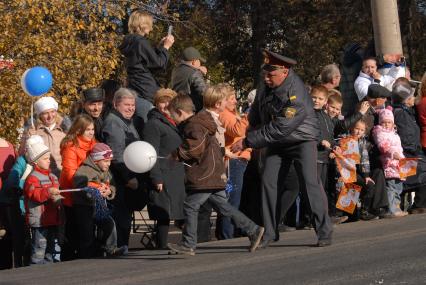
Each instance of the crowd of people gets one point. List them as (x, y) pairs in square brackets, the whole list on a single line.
[(67, 193)]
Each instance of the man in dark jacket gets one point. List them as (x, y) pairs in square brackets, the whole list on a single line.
[(93, 103), (283, 120), (188, 76)]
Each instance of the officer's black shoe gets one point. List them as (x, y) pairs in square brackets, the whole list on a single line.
[(255, 238), (285, 228), (324, 242), (367, 216), (339, 220)]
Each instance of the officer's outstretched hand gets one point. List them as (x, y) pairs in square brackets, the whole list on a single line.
[(238, 146)]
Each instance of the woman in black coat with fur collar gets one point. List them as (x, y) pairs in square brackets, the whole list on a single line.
[(167, 177)]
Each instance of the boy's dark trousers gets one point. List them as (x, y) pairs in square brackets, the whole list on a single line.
[(219, 201), (204, 222)]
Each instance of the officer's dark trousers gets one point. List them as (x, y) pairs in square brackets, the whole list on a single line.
[(276, 168)]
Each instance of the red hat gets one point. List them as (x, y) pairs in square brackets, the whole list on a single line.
[(101, 151)]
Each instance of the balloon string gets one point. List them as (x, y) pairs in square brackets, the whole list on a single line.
[(32, 112), (71, 190), (162, 157)]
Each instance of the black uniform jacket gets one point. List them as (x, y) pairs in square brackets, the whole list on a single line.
[(283, 115)]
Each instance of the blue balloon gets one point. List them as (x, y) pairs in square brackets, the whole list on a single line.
[(38, 81)]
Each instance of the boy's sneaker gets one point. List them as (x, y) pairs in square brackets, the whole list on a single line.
[(181, 249), (324, 242), (255, 238)]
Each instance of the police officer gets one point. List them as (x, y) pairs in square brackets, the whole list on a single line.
[(282, 119)]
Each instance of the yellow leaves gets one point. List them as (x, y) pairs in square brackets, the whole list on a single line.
[(78, 46)]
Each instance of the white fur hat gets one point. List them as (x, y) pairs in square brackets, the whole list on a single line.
[(35, 148), (45, 103)]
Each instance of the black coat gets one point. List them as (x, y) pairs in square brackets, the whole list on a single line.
[(282, 115), (409, 132), (141, 61), (165, 138), (188, 80)]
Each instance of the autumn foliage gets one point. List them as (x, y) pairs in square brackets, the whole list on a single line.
[(75, 40)]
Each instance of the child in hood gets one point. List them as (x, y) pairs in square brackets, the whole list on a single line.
[(42, 204), (389, 144)]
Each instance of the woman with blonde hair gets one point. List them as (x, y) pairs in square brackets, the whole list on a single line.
[(142, 59), (235, 130)]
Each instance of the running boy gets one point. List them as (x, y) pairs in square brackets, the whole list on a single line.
[(205, 174)]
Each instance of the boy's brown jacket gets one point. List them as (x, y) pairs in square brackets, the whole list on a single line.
[(201, 150)]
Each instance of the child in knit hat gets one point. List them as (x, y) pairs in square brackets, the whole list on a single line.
[(42, 203), (389, 144), (94, 172)]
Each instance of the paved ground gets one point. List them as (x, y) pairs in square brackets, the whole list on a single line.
[(378, 252)]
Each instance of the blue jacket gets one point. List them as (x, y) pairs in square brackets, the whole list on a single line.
[(14, 184)]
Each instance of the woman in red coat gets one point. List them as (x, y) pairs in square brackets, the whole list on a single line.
[(7, 159), (75, 148), (421, 111)]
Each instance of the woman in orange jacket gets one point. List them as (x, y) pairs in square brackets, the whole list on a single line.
[(75, 148), (235, 129)]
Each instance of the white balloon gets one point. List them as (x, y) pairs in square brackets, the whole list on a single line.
[(24, 87), (140, 156)]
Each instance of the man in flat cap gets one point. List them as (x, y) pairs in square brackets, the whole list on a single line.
[(188, 76), (377, 96), (93, 103), (283, 121)]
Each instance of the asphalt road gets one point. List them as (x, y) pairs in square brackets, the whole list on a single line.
[(391, 251)]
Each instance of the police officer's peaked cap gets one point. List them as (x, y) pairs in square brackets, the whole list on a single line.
[(273, 61), (378, 91), (93, 95)]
